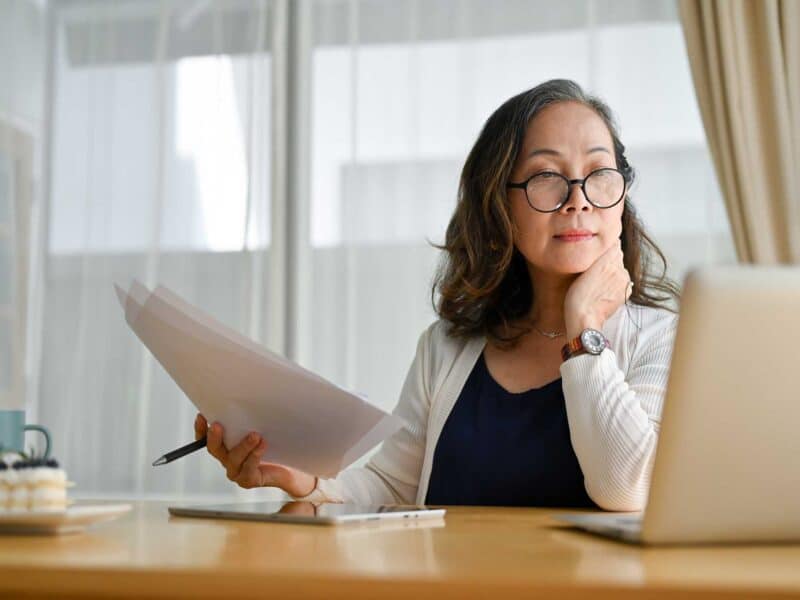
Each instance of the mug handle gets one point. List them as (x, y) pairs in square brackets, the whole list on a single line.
[(44, 432)]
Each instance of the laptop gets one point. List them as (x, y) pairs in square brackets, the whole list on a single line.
[(310, 513), (727, 464)]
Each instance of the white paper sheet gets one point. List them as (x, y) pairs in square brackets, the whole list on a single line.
[(308, 422)]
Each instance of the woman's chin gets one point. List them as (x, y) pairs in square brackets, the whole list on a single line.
[(574, 266), (569, 263), (565, 261)]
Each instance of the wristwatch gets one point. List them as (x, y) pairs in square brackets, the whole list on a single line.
[(590, 341)]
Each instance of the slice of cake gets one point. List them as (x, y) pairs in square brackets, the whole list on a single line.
[(33, 484), (18, 498), (10, 495), (7, 481), (47, 485)]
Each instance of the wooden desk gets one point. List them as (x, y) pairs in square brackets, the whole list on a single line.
[(478, 553)]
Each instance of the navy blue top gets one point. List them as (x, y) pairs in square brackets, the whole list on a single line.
[(498, 448)]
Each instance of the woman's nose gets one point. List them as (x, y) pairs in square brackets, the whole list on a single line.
[(576, 199)]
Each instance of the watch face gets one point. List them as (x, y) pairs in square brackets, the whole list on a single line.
[(593, 341)]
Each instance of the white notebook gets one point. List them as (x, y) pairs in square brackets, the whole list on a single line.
[(308, 422)]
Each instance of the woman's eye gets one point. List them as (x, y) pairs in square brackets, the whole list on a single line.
[(546, 175), (604, 168)]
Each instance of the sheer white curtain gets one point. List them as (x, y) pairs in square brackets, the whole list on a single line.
[(21, 89), (160, 169), (281, 165)]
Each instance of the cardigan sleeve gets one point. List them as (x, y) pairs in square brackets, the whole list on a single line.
[(614, 417), (391, 476)]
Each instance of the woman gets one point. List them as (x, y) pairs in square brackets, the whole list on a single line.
[(542, 382)]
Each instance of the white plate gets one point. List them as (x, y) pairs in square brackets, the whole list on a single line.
[(71, 520)]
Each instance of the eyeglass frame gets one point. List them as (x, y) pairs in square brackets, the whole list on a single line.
[(570, 182)]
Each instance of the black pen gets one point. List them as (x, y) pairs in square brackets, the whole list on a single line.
[(182, 451)]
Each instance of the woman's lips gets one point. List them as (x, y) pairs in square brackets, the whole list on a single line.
[(575, 238)]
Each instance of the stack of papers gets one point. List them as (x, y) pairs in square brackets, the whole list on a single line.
[(308, 422)]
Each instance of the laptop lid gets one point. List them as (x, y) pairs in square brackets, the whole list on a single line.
[(726, 463)]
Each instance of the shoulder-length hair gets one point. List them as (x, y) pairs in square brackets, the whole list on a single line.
[(483, 283)]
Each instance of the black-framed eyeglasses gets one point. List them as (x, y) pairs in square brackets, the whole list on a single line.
[(548, 191)]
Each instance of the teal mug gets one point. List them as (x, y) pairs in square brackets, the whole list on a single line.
[(12, 432)]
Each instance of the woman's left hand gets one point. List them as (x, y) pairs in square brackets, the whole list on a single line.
[(597, 293)]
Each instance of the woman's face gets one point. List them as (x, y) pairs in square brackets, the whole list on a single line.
[(571, 139)]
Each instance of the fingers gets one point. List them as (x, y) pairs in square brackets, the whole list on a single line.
[(214, 443), (623, 280), (200, 426), (611, 258), (242, 461), (239, 453), (615, 251), (615, 265), (250, 475)]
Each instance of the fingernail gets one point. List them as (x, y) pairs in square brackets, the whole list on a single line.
[(216, 427), (253, 437)]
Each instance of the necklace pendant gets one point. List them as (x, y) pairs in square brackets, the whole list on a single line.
[(549, 334)]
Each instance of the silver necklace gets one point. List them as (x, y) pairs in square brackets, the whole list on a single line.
[(550, 334)]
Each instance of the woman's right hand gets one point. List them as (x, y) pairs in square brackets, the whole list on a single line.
[(243, 462)]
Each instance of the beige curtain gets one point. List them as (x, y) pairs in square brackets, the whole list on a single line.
[(745, 60)]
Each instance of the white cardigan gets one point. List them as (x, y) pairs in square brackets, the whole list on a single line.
[(613, 404)]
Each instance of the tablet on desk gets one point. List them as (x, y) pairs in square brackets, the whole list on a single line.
[(308, 512)]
